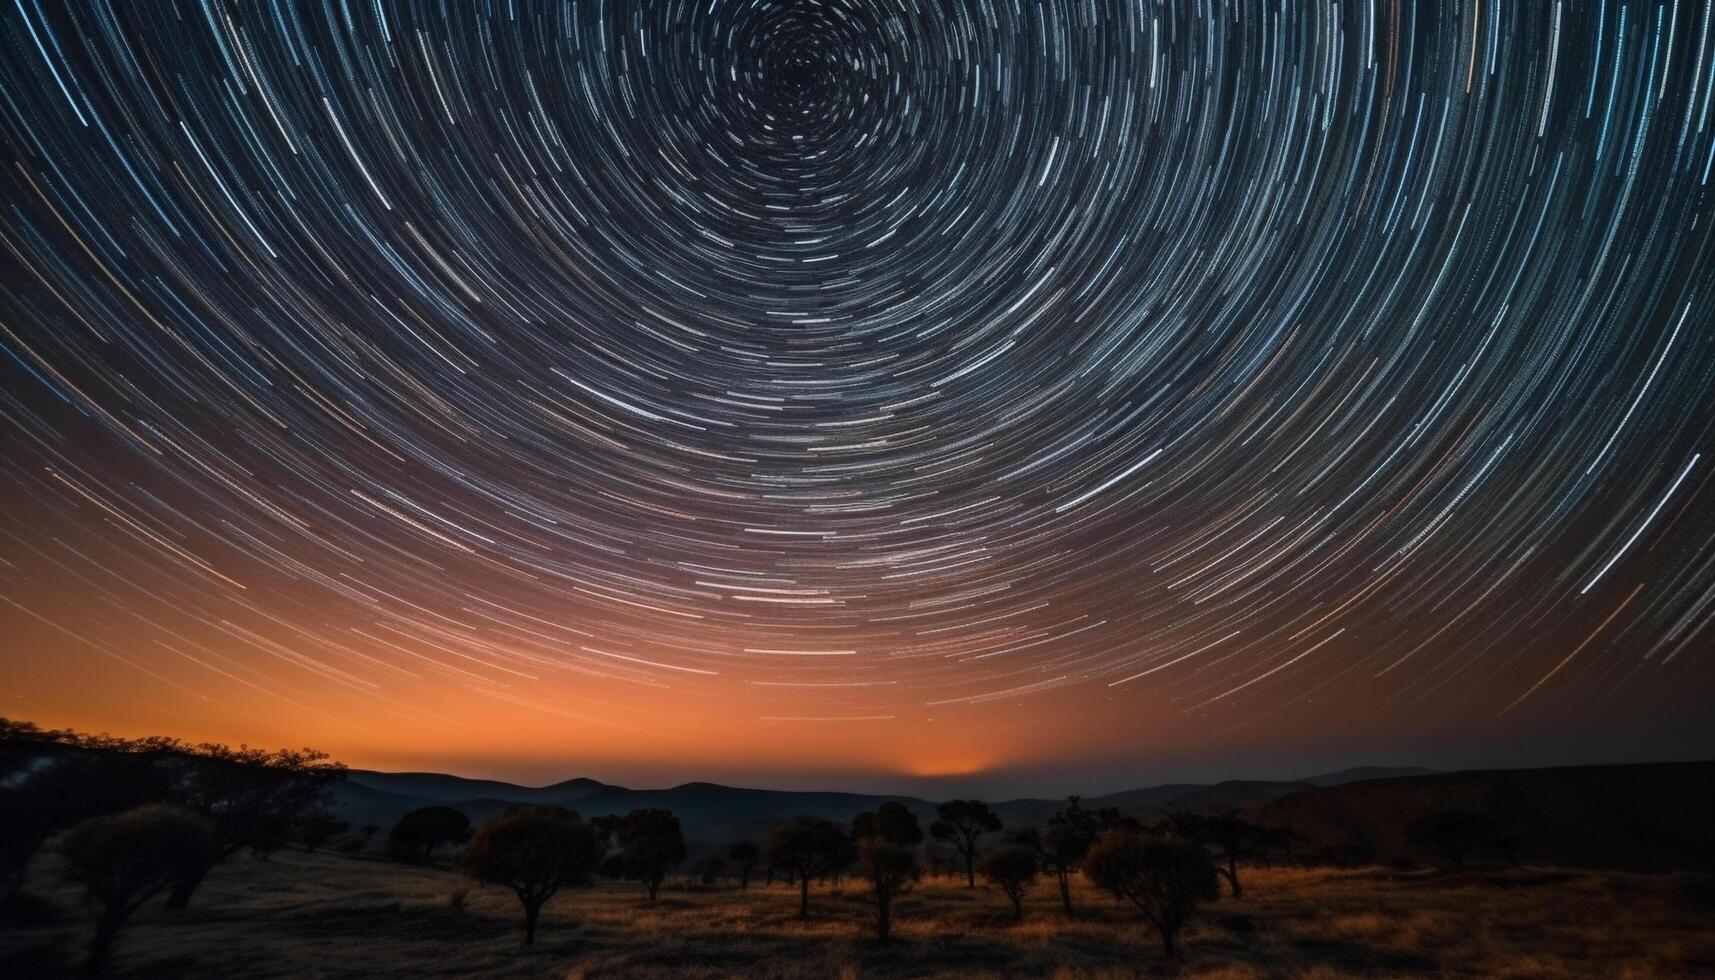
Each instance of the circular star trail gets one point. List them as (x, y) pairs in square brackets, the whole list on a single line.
[(872, 359)]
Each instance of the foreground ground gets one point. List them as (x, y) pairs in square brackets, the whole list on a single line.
[(327, 915)]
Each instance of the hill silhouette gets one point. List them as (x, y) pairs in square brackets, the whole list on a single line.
[(715, 812), (1633, 817), (1642, 817)]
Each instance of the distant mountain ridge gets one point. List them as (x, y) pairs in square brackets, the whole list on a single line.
[(715, 812), (1638, 817), (1641, 817)]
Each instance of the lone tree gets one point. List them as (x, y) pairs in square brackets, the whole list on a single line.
[(1225, 832), (1165, 879), (126, 859), (961, 823), (1453, 835), (745, 854), (886, 840), (890, 870), (803, 849), (649, 841), (1014, 869), (535, 851), (419, 833)]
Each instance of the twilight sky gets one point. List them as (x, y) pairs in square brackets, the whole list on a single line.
[(1023, 397)]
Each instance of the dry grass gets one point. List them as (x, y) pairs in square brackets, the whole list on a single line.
[(333, 916)]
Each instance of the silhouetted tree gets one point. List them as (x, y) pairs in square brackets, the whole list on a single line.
[(885, 840), (890, 822), (1164, 879), (1070, 832), (1013, 869), (59, 790), (745, 854), (535, 851), (1225, 832), (254, 798), (961, 823), (890, 869), (803, 849), (1454, 835), (647, 842), (126, 859), (418, 834), (51, 779)]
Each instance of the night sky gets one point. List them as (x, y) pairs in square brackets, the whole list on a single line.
[(842, 391)]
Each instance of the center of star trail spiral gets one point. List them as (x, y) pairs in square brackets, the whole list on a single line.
[(872, 358)]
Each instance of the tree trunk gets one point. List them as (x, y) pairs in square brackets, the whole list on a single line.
[(532, 910), (180, 896), (1017, 905), (744, 879), (804, 896), (971, 866), (654, 883), (1066, 890), (106, 928), (1232, 874), (1167, 942), (884, 915)]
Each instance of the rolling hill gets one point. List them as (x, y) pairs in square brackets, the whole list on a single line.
[(715, 813), (1645, 817)]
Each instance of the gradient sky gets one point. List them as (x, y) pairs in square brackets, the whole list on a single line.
[(1013, 397)]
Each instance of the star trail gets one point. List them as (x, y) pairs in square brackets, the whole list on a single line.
[(845, 365)]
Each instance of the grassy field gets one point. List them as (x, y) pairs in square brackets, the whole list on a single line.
[(328, 915)]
